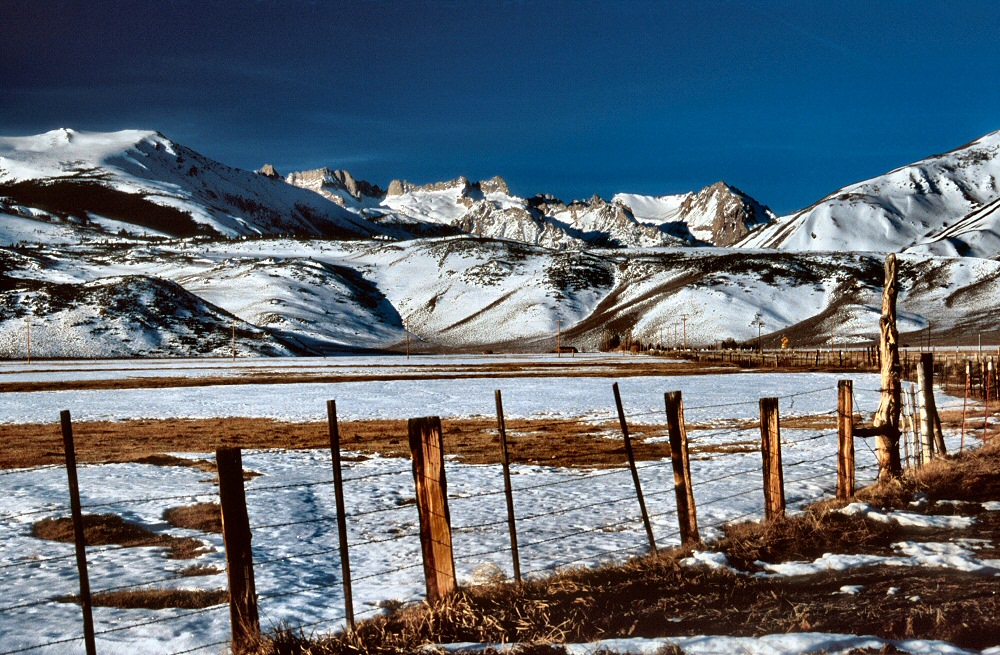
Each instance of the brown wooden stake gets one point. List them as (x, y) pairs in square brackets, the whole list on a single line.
[(965, 401), (239, 555), (845, 436), (427, 452), (926, 414), (338, 486), (887, 416), (78, 535), (635, 471), (687, 516), (507, 488), (915, 424), (986, 395), (770, 441)]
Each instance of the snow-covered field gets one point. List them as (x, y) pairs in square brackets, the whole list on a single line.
[(565, 516), (564, 397)]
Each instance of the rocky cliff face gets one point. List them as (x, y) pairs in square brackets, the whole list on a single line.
[(722, 215), (336, 185)]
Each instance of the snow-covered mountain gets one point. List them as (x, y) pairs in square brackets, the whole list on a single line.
[(944, 204), (465, 293), (142, 180), (719, 214), (463, 264), (122, 316)]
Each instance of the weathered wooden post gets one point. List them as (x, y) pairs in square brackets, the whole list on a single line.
[(635, 472), (239, 554), (887, 417), (965, 402), (925, 372), (78, 535), (845, 439), (930, 422), (427, 452), (687, 516), (770, 442), (338, 488), (507, 488)]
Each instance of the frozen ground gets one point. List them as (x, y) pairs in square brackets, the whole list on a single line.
[(75, 370), (707, 398), (565, 516)]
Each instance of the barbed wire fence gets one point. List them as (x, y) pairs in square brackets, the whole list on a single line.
[(561, 507)]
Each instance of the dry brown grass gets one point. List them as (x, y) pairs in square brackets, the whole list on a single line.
[(163, 459), (111, 529), (155, 599), (205, 517), (559, 442), (656, 597), (564, 367)]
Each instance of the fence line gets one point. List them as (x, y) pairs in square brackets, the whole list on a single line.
[(527, 514)]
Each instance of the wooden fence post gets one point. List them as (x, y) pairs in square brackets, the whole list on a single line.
[(965, 402), (635, 472), (78, 535), (887, 416), (338, 486), (770, 441), (986, 405), (687, 516), (507, 488), (427, 452), (239, 554), (925, 377), (845, 439)]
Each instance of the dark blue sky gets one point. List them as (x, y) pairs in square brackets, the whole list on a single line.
[(786, 100)]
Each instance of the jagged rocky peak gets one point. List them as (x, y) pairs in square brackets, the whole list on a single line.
[(268, 171), (722, 214), (546, 203), (332, 183), (495, 184)]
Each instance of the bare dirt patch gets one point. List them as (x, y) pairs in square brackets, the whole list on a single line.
[(205, 517), (111, 529)]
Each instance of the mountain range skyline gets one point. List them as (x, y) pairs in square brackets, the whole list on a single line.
[(786, 101)]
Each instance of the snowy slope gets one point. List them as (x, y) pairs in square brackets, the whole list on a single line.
[(910, 206), (471, 293), (120, 317), (144, 178), (718, 214)]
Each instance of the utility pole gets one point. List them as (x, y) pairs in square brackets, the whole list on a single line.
[(559, 338), (407, 345), (28, 320), (234, 341), (684, 320), (928, 335)]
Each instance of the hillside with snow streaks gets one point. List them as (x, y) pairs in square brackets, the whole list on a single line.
[(466, 293), (941, 205), (145, 179)]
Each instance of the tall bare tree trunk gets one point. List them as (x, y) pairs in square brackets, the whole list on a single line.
[(887, 416)]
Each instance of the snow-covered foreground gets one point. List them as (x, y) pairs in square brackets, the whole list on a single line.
[(707, 398), (565, 516)]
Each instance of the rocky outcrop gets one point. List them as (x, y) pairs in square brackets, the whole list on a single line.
[(336, 185), (268, 171), (495, 184), (722, 215)]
